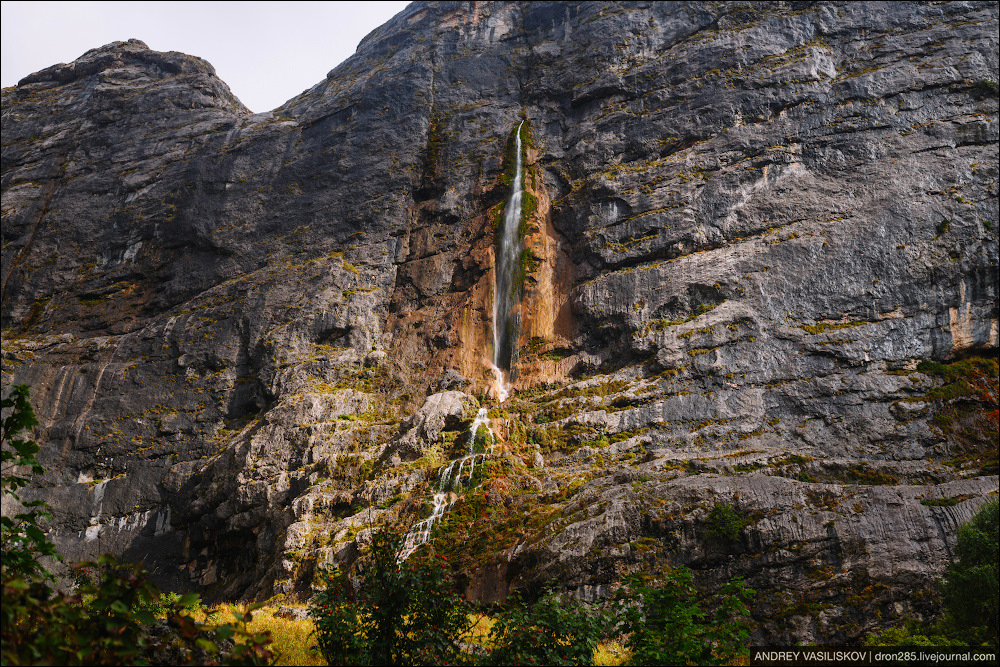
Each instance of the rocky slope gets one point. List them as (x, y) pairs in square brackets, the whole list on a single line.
[(253, 337)]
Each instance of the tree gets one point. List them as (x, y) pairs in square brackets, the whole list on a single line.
[(553, 631), (970, 589), (106, 620), (972, 582), (401, 613), (22, 541), (669, 625)]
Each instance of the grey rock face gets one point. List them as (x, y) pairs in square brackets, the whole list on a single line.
[(753, 222)]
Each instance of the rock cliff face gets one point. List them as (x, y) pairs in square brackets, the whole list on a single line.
[(750, 223)]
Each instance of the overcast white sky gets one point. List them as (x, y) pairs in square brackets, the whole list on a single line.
[(268, 52)]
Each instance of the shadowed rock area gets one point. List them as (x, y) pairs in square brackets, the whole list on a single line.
[(760, 270)]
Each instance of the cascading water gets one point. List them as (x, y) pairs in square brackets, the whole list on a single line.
[(506, 294), (450, 482)]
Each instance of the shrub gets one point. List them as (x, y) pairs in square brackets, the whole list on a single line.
[(22, 541), (669, 625), (911, 634), (402, 613), (556, 630), (726, 521), (971, 592), (107, 620), (971, 585)]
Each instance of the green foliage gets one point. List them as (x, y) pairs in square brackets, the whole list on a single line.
[(966, 409), (23, 541), (962, 378), (408, 614), (726, 521), (794, 459), (971, 592), (943, 502), (661, 324), (556, 630), (972, 583), (820, 327), (403, 613), (668, 625), (985, 88), (912, 634), (435, 140), (107, 619), (510, 155), (42, 627), (164, 604)]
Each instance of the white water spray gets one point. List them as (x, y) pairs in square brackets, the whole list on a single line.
[(449, 484)]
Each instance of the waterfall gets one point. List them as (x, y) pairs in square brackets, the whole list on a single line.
[(449, 483), (506, 329), (506, 293)]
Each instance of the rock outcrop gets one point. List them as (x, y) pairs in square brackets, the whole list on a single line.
[(753, 226)]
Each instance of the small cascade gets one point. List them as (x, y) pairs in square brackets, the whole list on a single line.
[(506, 294), (450, 482)]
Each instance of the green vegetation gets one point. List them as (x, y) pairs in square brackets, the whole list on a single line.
[(820, 327), (972, 583), (402, 614), (556, 630), (660, 325), (668, 622), (794, 459), (107, 619), (943, 502), (971, 592), (435, 139), (22, 541), (292, 638), (985, 88), (726, 521), (408, 613), (966, 410)]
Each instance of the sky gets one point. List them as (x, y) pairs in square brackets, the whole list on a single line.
[(268, 52)]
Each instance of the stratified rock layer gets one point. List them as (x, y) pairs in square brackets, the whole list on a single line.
[(751, 223)]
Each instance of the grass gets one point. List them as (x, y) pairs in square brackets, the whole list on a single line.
[(292, 637), (820, 327), (610, 654), (943, 502)]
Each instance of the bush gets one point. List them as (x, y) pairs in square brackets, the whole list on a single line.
[(105, 622), (22, 541), (970, 589), (40, 626), (108, 618), (726, 521), (913, 633), (554, 631), (972, 583), (402, 613), (669, 625)]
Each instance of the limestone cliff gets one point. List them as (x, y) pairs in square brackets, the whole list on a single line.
[(750, 224)]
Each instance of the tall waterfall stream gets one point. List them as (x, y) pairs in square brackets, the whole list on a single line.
[(506, 294)]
